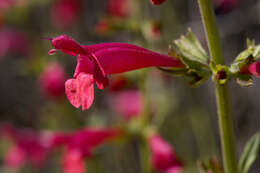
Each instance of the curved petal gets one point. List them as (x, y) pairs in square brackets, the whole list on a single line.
[(71, 87), (80, 91), (86, 89), (99, 74), (84, 65), (67, 45), (118, 60)]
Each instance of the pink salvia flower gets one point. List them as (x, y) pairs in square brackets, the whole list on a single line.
[(157, 2), (30, 146), (84, 140), (80, 145), (65, 13), (52, 80), (163, 158), (254, 68), (128, 104), (95, 62)]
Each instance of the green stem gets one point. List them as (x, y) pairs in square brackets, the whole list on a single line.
[(222, 92)]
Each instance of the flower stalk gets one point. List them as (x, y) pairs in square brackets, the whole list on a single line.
[(222, 91)]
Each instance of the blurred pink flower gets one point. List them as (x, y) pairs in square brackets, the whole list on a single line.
[(52, 80), (73, 162), (157, 2), (119, 8), (163, 157), (95, 62), (12, 41), (254, 68), (80, 145), (224, 6), (5, 4), (128, 103), (15, 157), (28, 146), (65, 13)]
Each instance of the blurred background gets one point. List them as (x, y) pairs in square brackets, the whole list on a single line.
[(32, 82)]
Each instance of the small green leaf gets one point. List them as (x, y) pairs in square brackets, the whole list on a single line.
[(190, 48), (249, 154)]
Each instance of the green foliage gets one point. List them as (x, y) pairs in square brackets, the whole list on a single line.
[(189, 50), (249, 154)]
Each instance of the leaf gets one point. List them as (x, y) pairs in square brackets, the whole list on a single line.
[(191, 49), (249, 154)]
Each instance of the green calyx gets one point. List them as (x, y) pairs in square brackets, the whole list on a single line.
[(189, 50)]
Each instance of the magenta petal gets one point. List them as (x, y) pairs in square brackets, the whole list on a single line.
[(84, 65), (175, 169), (97, 47), (86, 89), (52, 51), (71, 89), (99, 74), (254, 69), (119, 60), (67, 45)]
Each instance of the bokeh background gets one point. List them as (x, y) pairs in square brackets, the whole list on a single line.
[(32, 82)]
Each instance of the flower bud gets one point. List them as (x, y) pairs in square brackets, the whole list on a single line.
[(254, 68)]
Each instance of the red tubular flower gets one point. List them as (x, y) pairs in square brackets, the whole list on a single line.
[(65, 12), (79, 146), (157, 2), (254, 68), (28, 145), (52, 80), (163, 158), (96, 61)]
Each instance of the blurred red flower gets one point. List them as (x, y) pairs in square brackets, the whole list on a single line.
[(65, 13), (163, 157), (73, 162), (157, 2), (119, 8), (13, 41), (80, 145), (52, 80), (95, 62), (27, 146)]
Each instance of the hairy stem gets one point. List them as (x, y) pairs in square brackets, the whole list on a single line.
[(222, 92)]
